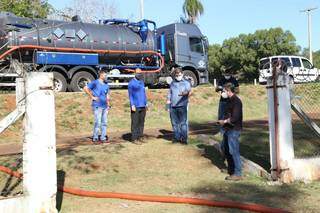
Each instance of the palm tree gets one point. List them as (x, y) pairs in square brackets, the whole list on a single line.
[(192, 9)]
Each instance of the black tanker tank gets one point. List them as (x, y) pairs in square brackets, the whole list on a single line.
[(116, 37)]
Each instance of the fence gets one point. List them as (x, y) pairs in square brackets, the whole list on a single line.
[(307, 96)]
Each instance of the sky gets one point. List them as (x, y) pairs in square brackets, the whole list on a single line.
[(228, 18)]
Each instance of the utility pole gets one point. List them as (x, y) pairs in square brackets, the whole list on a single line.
[(141, 9), (308, 11)]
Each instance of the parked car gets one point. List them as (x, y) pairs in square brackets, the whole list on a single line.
[(300, 69)]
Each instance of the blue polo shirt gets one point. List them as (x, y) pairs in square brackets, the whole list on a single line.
[(137, 93), (176, 88), (99, 89)]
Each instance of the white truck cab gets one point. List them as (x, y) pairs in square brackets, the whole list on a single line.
[(300, 69)]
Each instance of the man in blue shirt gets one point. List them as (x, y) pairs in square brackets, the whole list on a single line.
[(98, 90), (138, 105), (177, 100)]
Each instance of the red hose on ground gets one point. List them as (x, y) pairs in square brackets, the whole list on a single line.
[(68, 49), (161, 199)]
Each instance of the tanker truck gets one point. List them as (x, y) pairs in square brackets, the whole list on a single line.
[(75, 51)]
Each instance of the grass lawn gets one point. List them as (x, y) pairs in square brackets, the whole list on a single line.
[(159, 167)]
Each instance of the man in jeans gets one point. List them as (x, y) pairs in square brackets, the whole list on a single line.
[(177, 101), (98, 90), (232, 126), (138, 104)]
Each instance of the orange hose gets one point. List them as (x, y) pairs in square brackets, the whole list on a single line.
[(67, 49), (161, 199)]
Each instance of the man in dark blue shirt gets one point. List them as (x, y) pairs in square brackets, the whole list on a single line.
[(178, 99), (138, 105), (98, 90)]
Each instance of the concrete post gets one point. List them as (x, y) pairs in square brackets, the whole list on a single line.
[(285, 153), (20, 94), (39, 154)]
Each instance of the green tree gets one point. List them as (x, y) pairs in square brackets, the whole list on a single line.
[(315, 56), (192, 9), (27, 8), (243, 53), (316, 59)]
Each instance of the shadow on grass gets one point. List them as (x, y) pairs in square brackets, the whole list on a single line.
[(126, 137), (60, 182), (208, 128), (74, 159), (306, 143), (12, 182), (213, 155), (283, 196), (194, 129), (254, 145)]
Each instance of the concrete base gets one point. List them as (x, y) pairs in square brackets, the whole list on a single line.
[(305, 170), (13, 205)]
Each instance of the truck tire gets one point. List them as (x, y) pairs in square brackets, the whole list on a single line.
[(59, 82), (189, 75), (80, 80)]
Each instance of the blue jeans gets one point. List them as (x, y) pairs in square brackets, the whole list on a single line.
[(100, 123), (179, 118), (232, 151)]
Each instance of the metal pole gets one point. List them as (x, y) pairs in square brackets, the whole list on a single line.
[(309, 36), (308, 11), (141, 9)]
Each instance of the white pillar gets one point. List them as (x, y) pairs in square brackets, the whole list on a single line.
[(284, 132), (20, 94), (39, 154)]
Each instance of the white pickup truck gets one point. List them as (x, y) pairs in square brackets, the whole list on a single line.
[(300, 69)]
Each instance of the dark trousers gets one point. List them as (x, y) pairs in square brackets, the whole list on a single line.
[(179, 121), (137, 123)]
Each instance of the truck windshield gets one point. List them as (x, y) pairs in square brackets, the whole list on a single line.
[(196, 45)]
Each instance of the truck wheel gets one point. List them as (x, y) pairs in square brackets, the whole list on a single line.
[(80, 80), (59, 82), (189, 75)]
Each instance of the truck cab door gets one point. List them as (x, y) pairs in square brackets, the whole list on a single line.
[(197, 53)]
